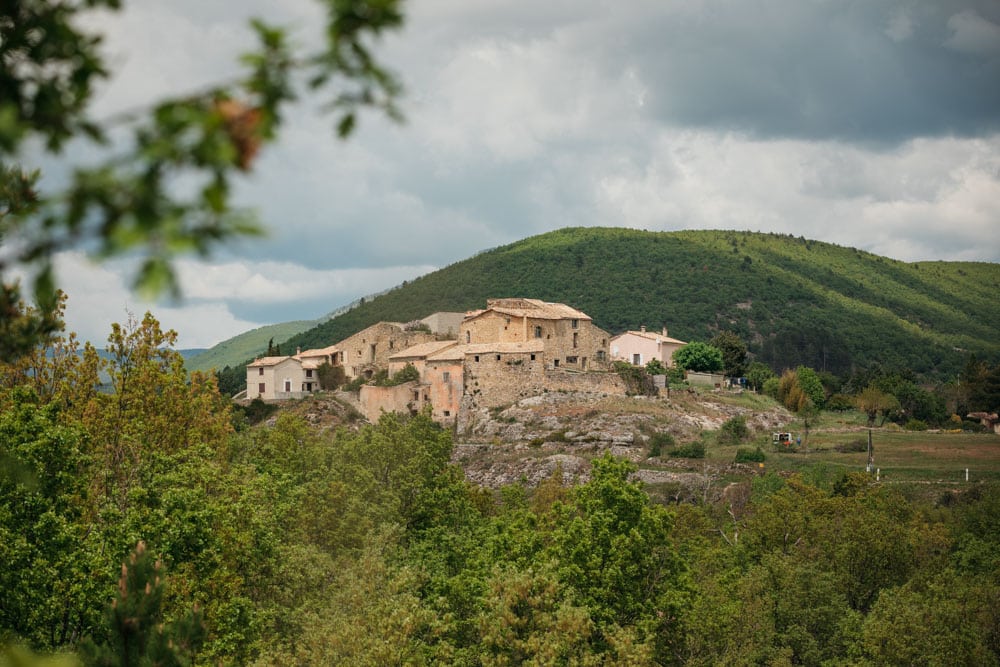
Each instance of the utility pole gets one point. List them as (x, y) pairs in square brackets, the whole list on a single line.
[(871, 453)]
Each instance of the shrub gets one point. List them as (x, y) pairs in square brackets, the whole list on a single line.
[(747, 455), (973, 426), (856, 445), (637, 380), (771, 387), (656, 367), (257, 411), (734, 431), (692, 450), (840, 403), (330, 377), (915, 425), (660, 441), (355, 384)]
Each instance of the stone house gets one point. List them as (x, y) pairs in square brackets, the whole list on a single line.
[(439, 384), (369, 350), (569, 337), (273, 378), (444, 323), (640, 347), (485, 373), (313, 359)]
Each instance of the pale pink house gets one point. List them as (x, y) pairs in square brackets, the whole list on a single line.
[(640, 347)]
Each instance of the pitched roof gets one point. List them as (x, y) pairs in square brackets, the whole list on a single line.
[(422, 349), (453, 353), (533, 308), (652, 335), (320, 352), (269, 361)]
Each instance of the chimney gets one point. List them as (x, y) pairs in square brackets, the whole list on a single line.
[(642, 328), (298, 351), (665, 332)]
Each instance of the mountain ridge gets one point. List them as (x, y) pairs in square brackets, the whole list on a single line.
[(794, 300)]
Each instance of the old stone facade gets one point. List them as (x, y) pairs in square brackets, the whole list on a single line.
[(569, 336), (499, 373), (369, 350), (504, 354), (444, 323), (513, 349)]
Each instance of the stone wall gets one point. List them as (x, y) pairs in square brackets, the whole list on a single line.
[(370, 349), (498, 378), (604, 383), (404, 398), (492, 382)]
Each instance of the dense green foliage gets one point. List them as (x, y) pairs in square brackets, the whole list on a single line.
[(285, 545), (165, 189), (796, 302), (699, 357), (734, 353)]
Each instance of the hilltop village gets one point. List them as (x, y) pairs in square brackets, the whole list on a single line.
[(455, 362)]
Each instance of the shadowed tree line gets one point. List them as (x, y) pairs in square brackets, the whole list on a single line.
[(284, 545)]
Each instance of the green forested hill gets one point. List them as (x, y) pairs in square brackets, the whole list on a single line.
[(794, 300), (245, 345)]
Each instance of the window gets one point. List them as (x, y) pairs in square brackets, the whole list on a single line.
[(600, 355), (309, 373), (576, 339), (575, 324), (260, 389), (538, 332), (468, 336), (570, 360), (498, 357), (447, 413), (637, 359), (446, 376), (532, 357), (556, 363), (476, 357), (288, 385), (260, 371)]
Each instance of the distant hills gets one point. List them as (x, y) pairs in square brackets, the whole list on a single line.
[(246, 345), (794, 300)]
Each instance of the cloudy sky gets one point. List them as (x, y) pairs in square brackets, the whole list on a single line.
[(871, 124)]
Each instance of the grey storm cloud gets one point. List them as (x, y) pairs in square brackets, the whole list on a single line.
[(873, 124), (861, 71)]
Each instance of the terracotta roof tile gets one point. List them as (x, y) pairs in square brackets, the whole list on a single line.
[(422, 349), (268, 361)]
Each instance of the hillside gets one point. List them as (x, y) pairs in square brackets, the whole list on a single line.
[(795, 301), (239, 348)]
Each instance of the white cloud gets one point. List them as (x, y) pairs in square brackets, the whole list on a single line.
[(864, 124), (280, 282)]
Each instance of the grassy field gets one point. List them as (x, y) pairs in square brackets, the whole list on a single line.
[(899, 456), (924, 457)]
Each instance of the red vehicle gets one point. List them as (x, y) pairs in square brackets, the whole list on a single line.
[(784, 439)]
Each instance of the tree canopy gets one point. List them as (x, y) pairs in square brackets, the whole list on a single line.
[(50, 63), (699, 357)]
